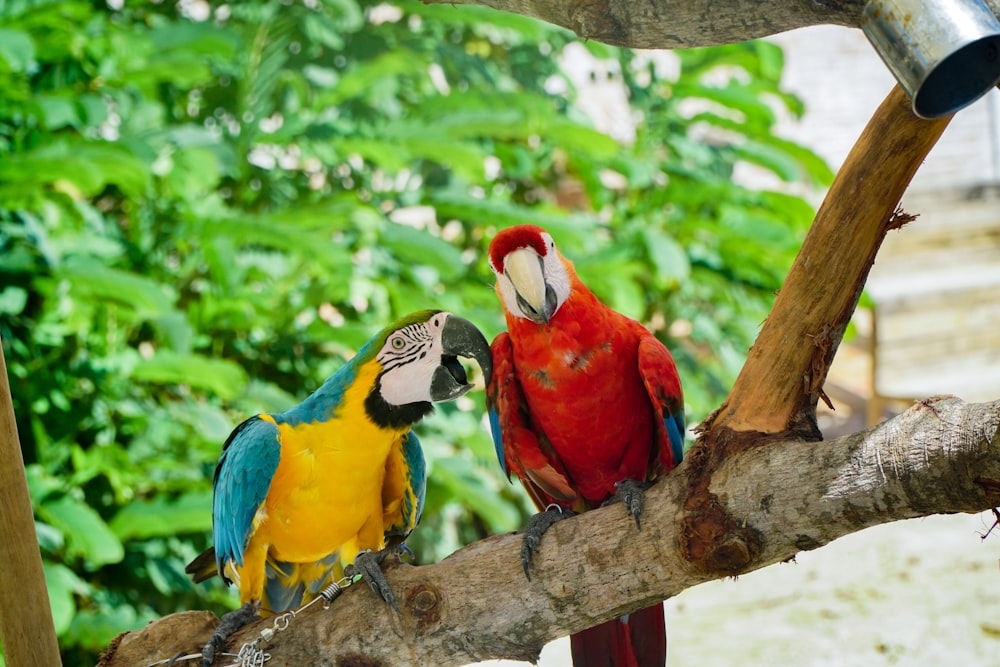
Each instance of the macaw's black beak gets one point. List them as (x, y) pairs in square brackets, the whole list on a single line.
[(459, 338)]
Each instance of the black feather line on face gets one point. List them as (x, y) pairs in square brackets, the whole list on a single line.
[(385, 415)]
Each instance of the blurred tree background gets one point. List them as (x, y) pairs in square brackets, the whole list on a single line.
[(205, 208)]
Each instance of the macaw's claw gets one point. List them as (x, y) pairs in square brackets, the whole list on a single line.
[(632, 493), (228, 624), (537, 526), (368, 564)]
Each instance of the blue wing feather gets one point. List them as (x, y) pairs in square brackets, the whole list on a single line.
[(497, 433), (675, 432), (416, 480), (659, 374), (499, 390), (288, 585), (277, 591), (416, 475), (242, 479)]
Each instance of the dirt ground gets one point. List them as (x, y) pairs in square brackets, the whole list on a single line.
[(918, 593)]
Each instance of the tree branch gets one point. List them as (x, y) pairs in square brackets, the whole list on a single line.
[(675, 24), (781, 381), (941, 456), (670, 24)]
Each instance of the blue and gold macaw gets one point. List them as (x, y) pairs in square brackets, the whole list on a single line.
[(299, 494)]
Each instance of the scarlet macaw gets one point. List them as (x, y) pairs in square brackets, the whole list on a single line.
[(585, 407), (298, 494)]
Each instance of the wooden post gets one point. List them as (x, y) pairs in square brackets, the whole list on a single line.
[(26, 628)]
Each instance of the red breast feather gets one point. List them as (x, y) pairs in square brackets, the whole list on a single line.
[(580, 379)]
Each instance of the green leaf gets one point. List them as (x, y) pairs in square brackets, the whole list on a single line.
[(193, 172), (94, 629), (582, 139), (500, 122), (190, 38), (321, 77), (175, 330), (220, 376), (274, 231), (486, 21), (269, 397), (462, 478), (500, 213), (322, 29), (627, 296), (56, 111), (375, 151), (92, 109), (667, 255), (49, 538), (62, 584), (399, 147), (360, 79), (41, 483), (89, 166), (771, 58), (13, 300), (328, 215), (797, 211), (416, 246), (209, 421), (347, 15), (86, 533), (161, 517), (18, 49), (814, 166), (89, 280), (778, 162)]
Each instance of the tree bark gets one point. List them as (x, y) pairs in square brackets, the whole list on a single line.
[(676, 24), (671, 24), (941, 456)]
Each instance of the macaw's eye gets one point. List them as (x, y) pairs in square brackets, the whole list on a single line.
[(398, 343)]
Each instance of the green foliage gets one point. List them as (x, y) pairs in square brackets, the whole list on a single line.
[(201, 217)]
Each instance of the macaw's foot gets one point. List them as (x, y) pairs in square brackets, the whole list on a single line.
[(369, 565), (632, 493), (537, 526), (228, 624)]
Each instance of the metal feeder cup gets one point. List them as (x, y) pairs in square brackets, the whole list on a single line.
[(944, 53)]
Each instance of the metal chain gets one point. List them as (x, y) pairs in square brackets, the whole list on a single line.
[(250, 654)]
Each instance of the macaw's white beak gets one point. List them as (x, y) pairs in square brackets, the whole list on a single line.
[(535, 297)]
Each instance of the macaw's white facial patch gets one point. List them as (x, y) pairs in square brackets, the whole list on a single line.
[(409, 358)]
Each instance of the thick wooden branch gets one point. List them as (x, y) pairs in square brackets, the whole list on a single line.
[(675, 24), (941, 456), (670, 24), (781, 381)]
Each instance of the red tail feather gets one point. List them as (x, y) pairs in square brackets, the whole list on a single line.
[(640, 641)]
